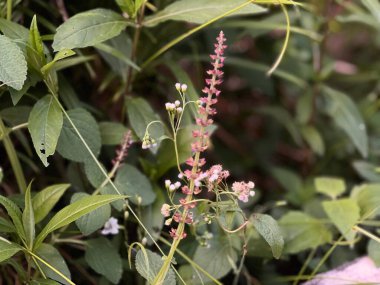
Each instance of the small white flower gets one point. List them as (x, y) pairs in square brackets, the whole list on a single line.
[(183, 87), (177, 184), (179, 110), (178, 86), (180, 176), (167, 183), (177, 103), (111, 227), (172, 187)]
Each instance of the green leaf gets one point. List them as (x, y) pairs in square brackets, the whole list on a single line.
[(200, 11), (51, 255), (13, 30), (13, 67), (42, 281), (270, 231), (94, 174), (7, 249), (218, 258), (44, 201), (330, 186), (130, 181), (94, 220), (373, 250), (45, 124), (368, 198), (344, 213), (140, 114), (70, 145), (302, 232), (28, 218), (6, 226), (112, 133), (314, 139), (104, 258), (345, 114), (117, 54), (88, 28), (148, 266), (367, 171), (35, 46), (74, 211), (14, 213)]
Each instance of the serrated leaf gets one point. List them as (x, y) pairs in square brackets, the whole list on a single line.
[(94, 220), (74, 211), (104, 258), (330, 186), (344, 214), (88, 28), (45, 124), (7, 249), (200, 11), (302, 232), (13, 67), (270, 231), (51, 255), (14, 213), (46, 199), (70, 146), (130, 181), (28, 219), (345, 114), (150, 268)]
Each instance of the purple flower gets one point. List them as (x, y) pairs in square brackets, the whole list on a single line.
[(111, 227)]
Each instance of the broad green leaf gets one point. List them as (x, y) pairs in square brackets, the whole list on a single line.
[(149, 268), (45, 124), (367, 171), (44, 201), (368, 198), (13, 67), (51, 255), (6, 226), (140, 114), (13, 30), (302, 232), (14, 213), (42, 281), (112, 133), (7, 249), (94, 220), (344, 213), (313, 139), (345, 114), (104, 258), (88, 28), (218, 258), (15, 115), (127, 6), (374, 7), (373, 250), (94, 174), (270, 231), (70, 146), (28, 219), (330, 186), (130, 181), (200, 11), (117, 54), (257, 246), (74, 211)]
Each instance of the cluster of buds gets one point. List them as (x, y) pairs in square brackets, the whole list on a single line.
[(148, 142), (174, 108), (243, 190), (182, 88), (122, 150), (172, 186)]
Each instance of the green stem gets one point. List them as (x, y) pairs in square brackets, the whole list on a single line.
[(12, 155), (366, 233), (9, 10)]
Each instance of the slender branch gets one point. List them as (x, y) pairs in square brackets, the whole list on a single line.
[(9, 10)]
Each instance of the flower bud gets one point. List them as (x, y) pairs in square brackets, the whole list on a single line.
[(183, 87), (178, 86)]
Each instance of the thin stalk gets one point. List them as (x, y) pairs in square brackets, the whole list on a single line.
[(366, 233), (304, 266), (21, 126), (12, 155), (9, 10)]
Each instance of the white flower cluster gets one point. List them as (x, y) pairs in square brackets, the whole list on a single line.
[(172, 186)]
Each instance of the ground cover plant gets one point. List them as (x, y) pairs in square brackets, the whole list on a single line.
[(188, 141)]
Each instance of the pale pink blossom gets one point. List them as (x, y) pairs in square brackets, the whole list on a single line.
[(165, 210), (243, 190)]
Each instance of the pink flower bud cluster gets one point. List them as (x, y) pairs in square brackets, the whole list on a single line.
[(122, 150), (243, 190)]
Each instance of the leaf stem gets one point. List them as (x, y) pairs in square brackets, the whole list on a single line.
[(9, 10), (12, 155), (366, 233)]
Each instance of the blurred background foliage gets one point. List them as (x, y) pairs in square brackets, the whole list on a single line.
[(316, 115)]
